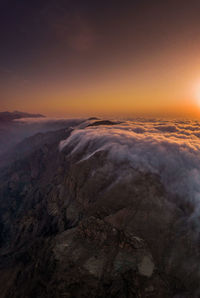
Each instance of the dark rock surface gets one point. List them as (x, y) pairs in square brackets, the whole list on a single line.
[(71, 228)]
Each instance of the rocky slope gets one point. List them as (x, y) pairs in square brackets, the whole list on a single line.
[(69, 227), (12, 132), (9, 128)]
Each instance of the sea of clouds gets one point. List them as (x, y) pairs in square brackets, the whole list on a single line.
[(170, 149)]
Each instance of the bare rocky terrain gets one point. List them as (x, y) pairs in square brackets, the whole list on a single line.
[(69, 227)]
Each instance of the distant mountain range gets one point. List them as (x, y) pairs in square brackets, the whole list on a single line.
[(10, 116)]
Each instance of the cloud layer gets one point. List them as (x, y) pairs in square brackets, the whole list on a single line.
[(170, 149)]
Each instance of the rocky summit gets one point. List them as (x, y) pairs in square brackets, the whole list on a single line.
[(71, 226)]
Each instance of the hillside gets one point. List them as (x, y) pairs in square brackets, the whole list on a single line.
[(77, 223)]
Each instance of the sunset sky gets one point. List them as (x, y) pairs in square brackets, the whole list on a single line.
[(108, 57)]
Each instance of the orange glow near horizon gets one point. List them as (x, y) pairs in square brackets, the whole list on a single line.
[(152, 93), (147, 64)]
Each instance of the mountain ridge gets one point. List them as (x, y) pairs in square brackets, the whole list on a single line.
[(10, 116), (70, 227)]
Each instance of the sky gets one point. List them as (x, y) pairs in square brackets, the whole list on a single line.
[(108, 57)]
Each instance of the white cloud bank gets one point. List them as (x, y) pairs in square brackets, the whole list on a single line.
[(170, 149)]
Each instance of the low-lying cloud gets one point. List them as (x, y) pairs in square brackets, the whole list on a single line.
[(170, 149)]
